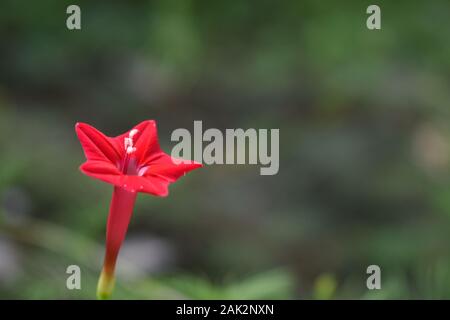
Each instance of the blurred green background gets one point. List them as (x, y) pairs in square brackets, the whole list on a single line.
[(364, 147)]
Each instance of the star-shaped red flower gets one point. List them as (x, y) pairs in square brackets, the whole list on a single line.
[(133, 162)]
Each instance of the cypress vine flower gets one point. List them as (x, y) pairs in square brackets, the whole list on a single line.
[(132, 162)]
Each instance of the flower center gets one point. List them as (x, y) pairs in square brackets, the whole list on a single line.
[(129, 148), (129, 164)]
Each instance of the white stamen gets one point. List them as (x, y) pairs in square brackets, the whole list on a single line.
[(129, 148), (128, 143), (133, 133)]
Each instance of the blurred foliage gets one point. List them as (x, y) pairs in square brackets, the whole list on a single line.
[(325, 287), (364, 150)]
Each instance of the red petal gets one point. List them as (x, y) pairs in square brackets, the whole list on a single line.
[(96, 145), (161, 158), (147, 136), (102, 170), (171, 171), (154, 185)]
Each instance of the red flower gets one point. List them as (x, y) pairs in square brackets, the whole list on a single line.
[(132, 162)]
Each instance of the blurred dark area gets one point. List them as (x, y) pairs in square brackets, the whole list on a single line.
[(364, 147)]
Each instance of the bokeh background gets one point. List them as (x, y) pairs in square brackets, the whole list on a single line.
[(364, 147)]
